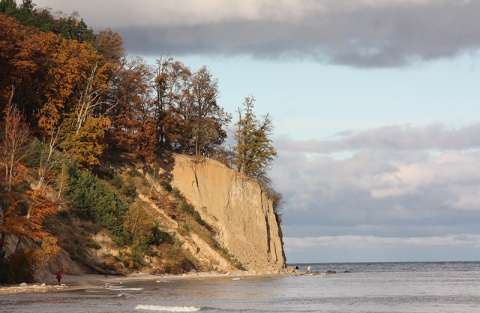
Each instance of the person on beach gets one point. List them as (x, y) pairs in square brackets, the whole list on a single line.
[(308, 269), (59, 277)]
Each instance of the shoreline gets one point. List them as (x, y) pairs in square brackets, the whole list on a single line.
[(87, 281)]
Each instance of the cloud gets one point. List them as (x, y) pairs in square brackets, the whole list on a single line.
[(360, 33), (394, 138), (378, 184), (369, 242)]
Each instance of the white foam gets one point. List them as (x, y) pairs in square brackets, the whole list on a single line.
[(167, 308), (123, 288)]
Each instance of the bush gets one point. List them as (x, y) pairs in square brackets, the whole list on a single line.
[(166, 185), (98, 201), (4, 268), (130, 191), (157, 236), (189, 209), (117, 181), (176, 192), (21, 265), (33, 158)]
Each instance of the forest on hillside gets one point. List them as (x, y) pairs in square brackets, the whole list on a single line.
[(72, 98)]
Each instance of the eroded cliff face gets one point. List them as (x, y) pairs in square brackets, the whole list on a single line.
[(237, 207)]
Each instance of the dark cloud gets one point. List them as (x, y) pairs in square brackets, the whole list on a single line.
[(367, 36), (359, 33)]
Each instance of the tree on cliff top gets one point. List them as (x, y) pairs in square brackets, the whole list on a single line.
[(254, 151)]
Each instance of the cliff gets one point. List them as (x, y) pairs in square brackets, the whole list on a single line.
[(237, 206), (207, 216)]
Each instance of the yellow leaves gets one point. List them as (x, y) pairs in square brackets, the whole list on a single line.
[(88, 144), (69, 65), (138, 222), (49, 251)]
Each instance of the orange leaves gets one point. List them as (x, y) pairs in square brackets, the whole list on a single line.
[(13, 144), (109, 43), (38, 207), (16, 50), (70, 63), (22, 63), (132, 113)]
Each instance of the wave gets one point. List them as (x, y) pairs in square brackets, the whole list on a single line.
[(167, 308), (121, 288)]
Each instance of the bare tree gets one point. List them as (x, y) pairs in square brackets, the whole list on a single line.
[(13, 144)]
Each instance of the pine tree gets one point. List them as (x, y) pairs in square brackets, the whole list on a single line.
[(254, 151)]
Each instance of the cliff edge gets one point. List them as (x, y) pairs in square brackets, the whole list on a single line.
[(237, 207), (201, 216)]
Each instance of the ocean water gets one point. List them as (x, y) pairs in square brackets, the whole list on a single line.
[(452, 287)]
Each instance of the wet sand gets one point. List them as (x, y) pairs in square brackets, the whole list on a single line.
[(75, 282)]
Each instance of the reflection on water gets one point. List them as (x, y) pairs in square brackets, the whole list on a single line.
[(374, 287)]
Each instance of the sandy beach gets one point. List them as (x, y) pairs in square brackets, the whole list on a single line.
[(72, 282)]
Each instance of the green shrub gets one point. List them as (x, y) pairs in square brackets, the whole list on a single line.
[(189, 209), (166, 185), (157, 236), (130, 191), (98, 201), (117, 181), (33, 158), (176, 192)]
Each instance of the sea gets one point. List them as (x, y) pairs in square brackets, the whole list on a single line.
[(427, 287)]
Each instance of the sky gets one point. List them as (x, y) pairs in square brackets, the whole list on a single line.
[(375, 105)]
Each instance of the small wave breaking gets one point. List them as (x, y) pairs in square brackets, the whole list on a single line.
[(167, 308), (121, 288)]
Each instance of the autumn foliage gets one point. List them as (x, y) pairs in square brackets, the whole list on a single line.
[(67, 93)]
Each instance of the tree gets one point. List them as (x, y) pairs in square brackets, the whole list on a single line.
[(131, 90), (20, 215), (13, 144), (8, 7), (20, 60), (254, 151), (75, 29), (74, 77), (88, 143), (139, 223), (204, 118), (109, 44), (47, 158), (15, 134), (49, 251), (171, 81)]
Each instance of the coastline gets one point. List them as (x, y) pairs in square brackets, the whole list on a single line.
[(87, 281)]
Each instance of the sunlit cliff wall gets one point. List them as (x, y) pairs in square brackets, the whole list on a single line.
[(237, 207)]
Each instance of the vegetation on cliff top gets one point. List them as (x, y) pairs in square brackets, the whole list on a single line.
[(71, 102)]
